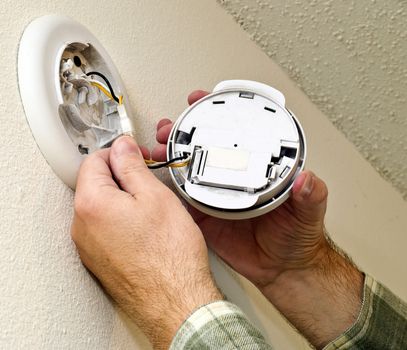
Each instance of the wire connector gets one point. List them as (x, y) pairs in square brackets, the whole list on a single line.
[(124, 121)]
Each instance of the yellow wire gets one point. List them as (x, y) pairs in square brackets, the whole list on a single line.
[(150, 161), (174, 165), (102, 88), (147, 161), (107, 93), (179, 165)]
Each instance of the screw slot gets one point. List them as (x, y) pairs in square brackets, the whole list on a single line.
[(77, 61), (83, 150)]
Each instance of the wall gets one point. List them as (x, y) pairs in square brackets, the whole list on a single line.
[(350, 59), (163, 49)]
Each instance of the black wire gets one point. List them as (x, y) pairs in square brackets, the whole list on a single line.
[(169, 162), (107, 82)]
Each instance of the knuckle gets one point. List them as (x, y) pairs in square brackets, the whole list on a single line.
[(74, 234), (322, 193), (160, 198), (324, 190), (85, 207), (320, 189), (77, 231), (132, 166), (88, 161), (167, 194), (163, 193)]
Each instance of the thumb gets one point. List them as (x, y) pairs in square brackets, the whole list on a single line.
[(128, 166), (309, 198)]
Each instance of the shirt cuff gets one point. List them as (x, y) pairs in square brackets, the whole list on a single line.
[(381, 323), (218, 325)]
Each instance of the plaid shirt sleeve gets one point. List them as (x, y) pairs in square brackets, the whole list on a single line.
[(219, 325), (381, 324)]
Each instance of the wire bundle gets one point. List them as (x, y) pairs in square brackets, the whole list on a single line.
[(177, 162), (107, 90)]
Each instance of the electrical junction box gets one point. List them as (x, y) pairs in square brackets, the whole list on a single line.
[(73, 97), (245, 149)]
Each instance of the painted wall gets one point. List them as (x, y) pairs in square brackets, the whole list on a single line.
[(163, 49), (350, 58)]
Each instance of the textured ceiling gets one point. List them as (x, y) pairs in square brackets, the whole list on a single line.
[(350, 58)]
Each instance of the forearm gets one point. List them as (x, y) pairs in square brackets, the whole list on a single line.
[(322, 301), (159, 313)]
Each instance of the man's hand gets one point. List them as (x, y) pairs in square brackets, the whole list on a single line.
[(285, 253), (135, 236)]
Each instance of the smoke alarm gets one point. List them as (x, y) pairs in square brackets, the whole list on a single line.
[(245, 149)]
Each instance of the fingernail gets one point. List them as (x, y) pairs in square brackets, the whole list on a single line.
[(125, 145), (307, 186)]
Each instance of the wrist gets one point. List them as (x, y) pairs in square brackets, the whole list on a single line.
[(167, 308), (327, 293), (170, 322), (309, 264)]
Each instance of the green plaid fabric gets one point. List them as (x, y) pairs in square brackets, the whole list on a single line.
[(219, 325), (382, 324)]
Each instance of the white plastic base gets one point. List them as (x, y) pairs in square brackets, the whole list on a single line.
[(39, 58)]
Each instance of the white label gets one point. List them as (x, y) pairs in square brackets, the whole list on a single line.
[(225, 158)]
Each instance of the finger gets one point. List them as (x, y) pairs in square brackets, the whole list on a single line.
[(309, 196), (164, 133), (145, 152), (196, 95), (94, 174), (163, 122), (222, 237), (230, 240), (159, 153), (128, 166)]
